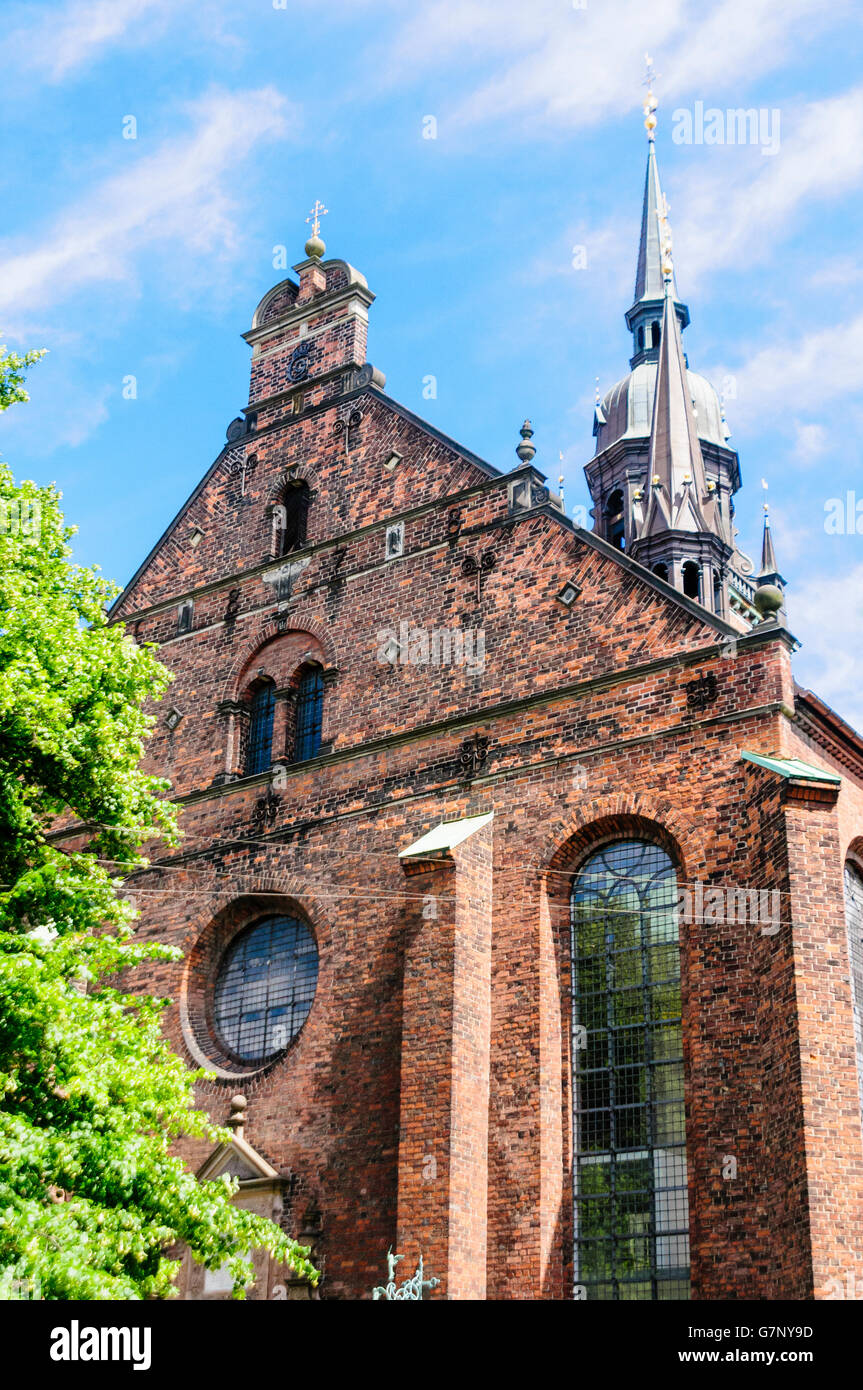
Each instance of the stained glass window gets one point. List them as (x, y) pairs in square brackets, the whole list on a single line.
[(631, 1211), (265, 987)]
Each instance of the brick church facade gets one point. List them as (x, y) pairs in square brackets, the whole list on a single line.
[(511, 893)]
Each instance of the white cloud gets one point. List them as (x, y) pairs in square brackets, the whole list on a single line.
[(758, 199), (810, 440), (58, 42), (826, 614), (574, 66), (822, 367), (177, 197)]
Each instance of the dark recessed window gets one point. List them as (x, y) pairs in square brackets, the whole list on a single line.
[(615, 529), (691, 579), (260, 750), (310, 713), (631, 1213), (295, 511), (265, 988)]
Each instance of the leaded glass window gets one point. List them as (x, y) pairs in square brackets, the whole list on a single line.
[(854, 922), (265, 987), (310, 711), (260, 749), (631, 1210)]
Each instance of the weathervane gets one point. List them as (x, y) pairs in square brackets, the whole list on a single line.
[(317, 212)]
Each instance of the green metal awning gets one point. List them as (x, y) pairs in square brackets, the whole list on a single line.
[(446, 835), (792, 768)]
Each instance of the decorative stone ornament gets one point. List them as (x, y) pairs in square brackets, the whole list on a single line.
[(298, 367), (473, 755), (481, 566)]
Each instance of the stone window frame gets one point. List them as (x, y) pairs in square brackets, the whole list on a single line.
[(575, 838), (201, 969), (586, 853)]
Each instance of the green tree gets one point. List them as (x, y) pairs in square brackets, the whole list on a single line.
[(92, 1099)]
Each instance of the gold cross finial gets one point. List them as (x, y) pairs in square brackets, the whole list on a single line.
[(317, 212), (650, 76)]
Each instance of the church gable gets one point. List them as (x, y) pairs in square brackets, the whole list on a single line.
[(318, 436)]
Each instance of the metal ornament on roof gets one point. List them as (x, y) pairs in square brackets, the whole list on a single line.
[(411, 1289)]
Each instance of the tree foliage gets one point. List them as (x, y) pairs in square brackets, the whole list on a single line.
[(92, 1099)]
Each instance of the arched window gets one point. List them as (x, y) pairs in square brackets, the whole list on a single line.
[(655, 334), (691, 578), (259, 755), (641, 338), (615, 530), (310, 712), (265, 987), (662, 570), (292, 517), (854, 922), (631, 1211)]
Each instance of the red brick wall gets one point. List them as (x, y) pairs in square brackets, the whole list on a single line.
[(450, 1038)]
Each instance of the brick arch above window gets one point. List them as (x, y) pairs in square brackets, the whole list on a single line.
[(623, 816), (281, 653), (251, 899), (302, 473)]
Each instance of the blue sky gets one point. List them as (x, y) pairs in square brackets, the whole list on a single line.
[(146, 257)]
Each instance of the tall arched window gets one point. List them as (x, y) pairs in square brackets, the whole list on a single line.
[(293, 516), (310, 711), (655, 334), (630, 1200), (854, 922), (259, 754)]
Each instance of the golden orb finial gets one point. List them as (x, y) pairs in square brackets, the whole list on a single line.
[(315, 246)]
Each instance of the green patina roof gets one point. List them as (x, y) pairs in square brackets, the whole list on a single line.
[(791, 767), (446, 835)]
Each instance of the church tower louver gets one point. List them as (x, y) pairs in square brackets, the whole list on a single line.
[(664, 475)]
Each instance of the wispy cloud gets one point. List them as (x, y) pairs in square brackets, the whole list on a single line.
[(61, 41), (575, 65), (179, 196), (831, 630), (759, 201), (822, 367)]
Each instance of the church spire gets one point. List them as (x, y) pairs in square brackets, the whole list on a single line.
[(643, 317), (679, 498), (769, 597)]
